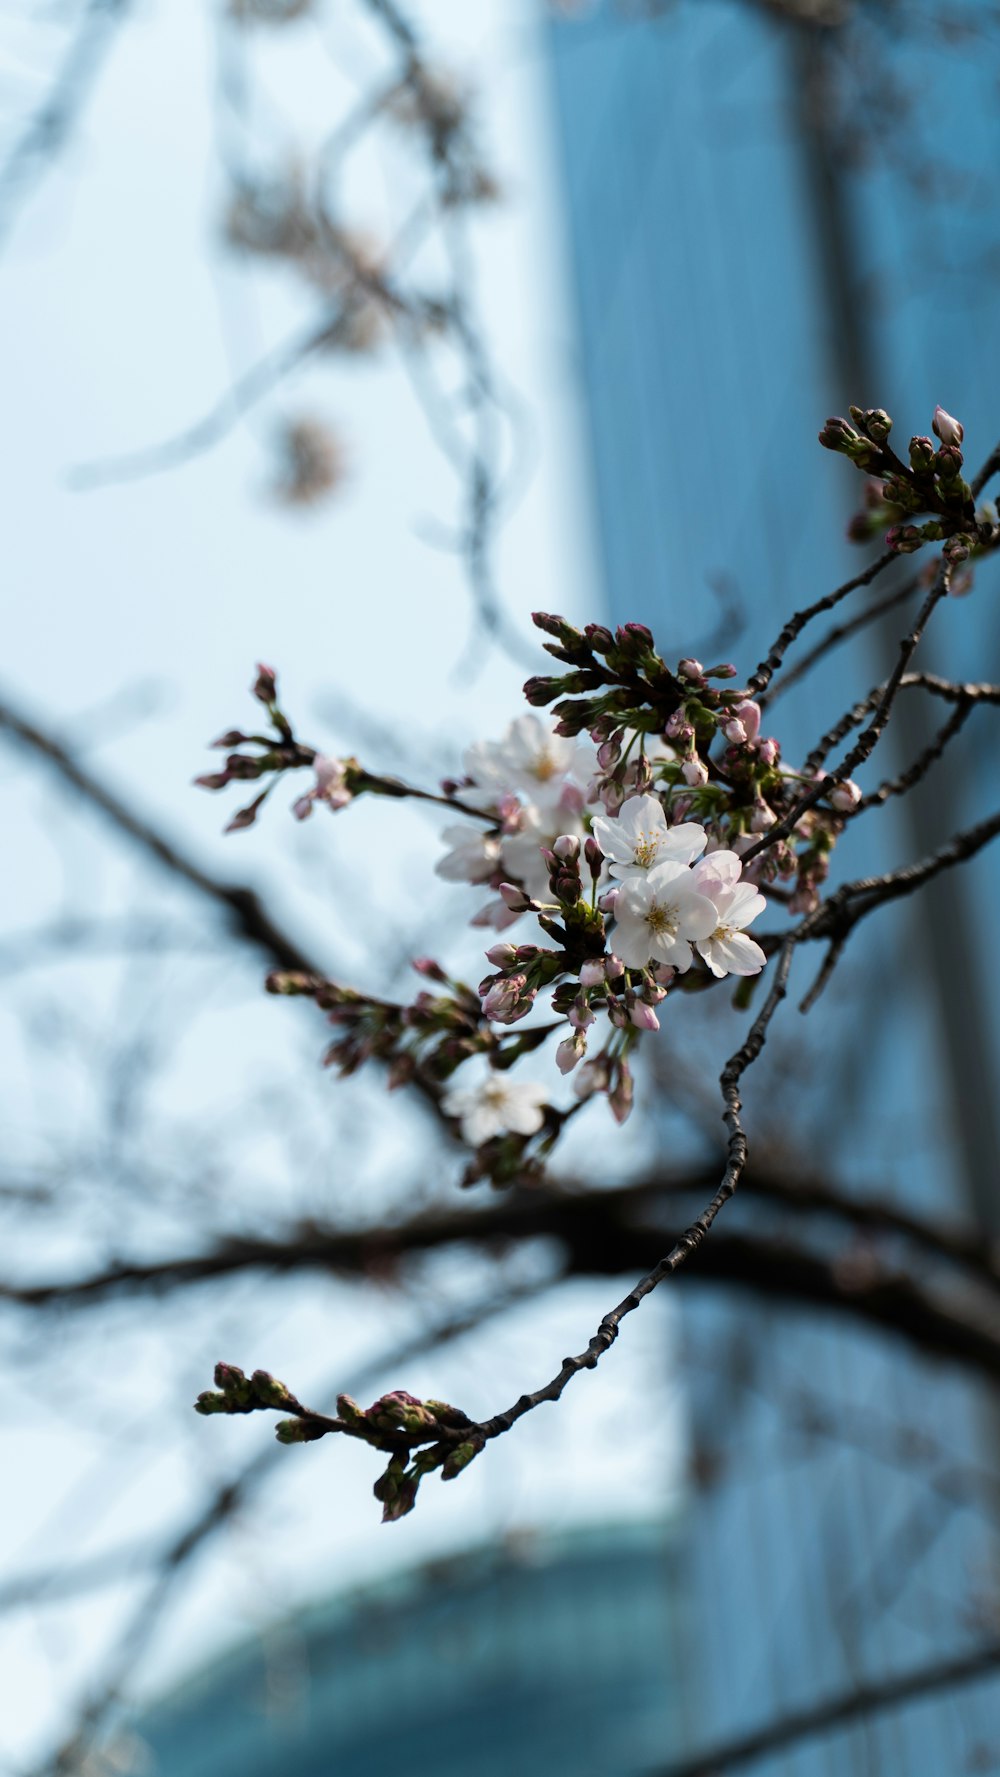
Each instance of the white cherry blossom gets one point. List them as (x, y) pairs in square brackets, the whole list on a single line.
[(498, 1106), (520, 851), (530, 760), (659, 913), (639, 838), (727, 950), (473, 857)]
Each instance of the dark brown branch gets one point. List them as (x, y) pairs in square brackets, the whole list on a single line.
[(841, 632), (796, 624), (868, 740), (691, 1239), (247, 914), (863, 1700)]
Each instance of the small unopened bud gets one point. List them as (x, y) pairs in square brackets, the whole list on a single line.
[(621, 1094), (594, 856), (904, 539), (878, 425), (265, 686), (690, 669), (566, 846), (768, 751), (694, 772), (425, 965), (592, 1077), (921, 454), (609, 901), (297, 1431), (950, 431), (643, 1017), (748, 712), (502, 956), (592, 972), (958, 548), (844, 796), (734, 731), (569, 1052), (514, 898)]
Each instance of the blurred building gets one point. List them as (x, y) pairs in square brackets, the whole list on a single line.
[(543, 1656), (743, 263)]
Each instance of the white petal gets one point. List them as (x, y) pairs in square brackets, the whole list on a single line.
[(480, 1124), (697, 915), (745, 905), (633, 938), (708, 948), (525, 1117), (721, 869), (742, 956), (612, 841), (684, 842)]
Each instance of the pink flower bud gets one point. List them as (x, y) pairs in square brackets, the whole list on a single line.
[(734, 731), (425, 965), (608, 902), (643, 1017), (593, 1077), (502, 956), (566, 846), (694, 772), (608, 754), (690, 669), (768, 751), (664, 973), (580, 1015), (749, 714), (514, 898), (762, 818), (569, 1052), (620, 1096), (948, 430), (508, 1000), (592, 972), (845, 796)]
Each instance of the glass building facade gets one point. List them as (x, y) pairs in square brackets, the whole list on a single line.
[(739, 269), (543, 1657)]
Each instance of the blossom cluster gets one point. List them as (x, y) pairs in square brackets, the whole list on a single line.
[(634, 829)]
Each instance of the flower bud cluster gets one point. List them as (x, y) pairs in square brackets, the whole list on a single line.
[(337, 781), (930, 481)]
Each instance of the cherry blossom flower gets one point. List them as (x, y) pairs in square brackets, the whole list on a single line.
[(659, 913), (330, 786), (530, 760), (639, 839), (727, 950), (498, 1106), (473, 857), (521, 850)]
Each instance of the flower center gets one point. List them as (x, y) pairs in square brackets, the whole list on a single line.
[(645, 851), (544, 767), (662, 919), (495, 1095)]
